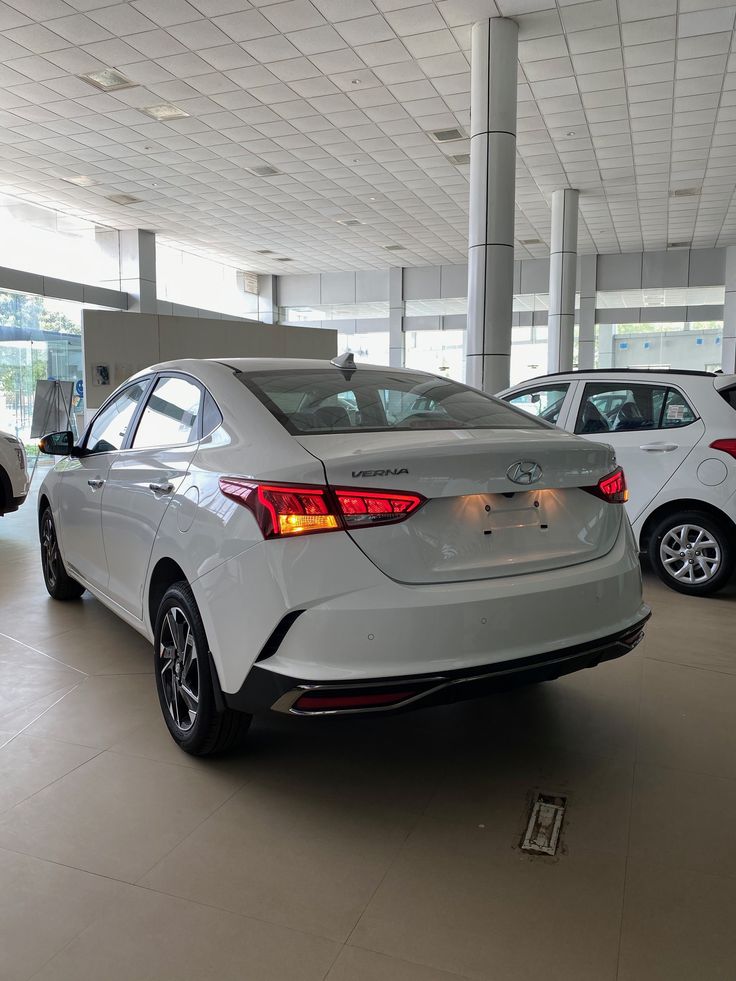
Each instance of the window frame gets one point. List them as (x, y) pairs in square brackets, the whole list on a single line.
[(624, 383), (147, 381)]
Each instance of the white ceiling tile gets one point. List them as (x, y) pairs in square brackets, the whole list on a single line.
[(246, 25), (294, 15), (636, 10), (431, 43), (155, 44), (646, 31), (584, 16), (317, 40), (166, 13), (383, 53), (706, 22)]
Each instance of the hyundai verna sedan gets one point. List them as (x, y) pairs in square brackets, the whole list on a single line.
[(674, 433), (318, 538)]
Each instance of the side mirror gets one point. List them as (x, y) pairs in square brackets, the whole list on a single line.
[(57, 444)]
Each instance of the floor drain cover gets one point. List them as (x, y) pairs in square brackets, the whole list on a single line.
[(542, 833)]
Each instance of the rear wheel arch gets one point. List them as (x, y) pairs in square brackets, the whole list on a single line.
[(165, 573), (684, 504)]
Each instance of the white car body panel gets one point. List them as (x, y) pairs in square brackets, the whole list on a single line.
[(14, 477), (352, 618)]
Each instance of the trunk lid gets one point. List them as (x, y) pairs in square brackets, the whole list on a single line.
[(477, 523)]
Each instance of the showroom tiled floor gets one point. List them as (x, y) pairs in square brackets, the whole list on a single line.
[(363, 850)]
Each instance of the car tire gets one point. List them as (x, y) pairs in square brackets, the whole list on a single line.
[(680, 564), (59, 584), (184, 680)]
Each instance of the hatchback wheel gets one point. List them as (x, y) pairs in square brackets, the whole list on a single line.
[(59, 584), (184, 679), (692, 552)]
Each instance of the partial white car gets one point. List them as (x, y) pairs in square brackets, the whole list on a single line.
[(13, 473), (674, 434), (291, 539)]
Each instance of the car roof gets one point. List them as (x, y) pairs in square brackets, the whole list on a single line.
[(719, 380), (248, 365)]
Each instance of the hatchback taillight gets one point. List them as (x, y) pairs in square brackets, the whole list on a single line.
[(725, 446), (611, 488), (283, 510)]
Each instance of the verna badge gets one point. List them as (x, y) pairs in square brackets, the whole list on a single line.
[(524, 472)]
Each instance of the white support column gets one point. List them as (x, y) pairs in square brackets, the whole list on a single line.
[(492, 200), (586, 337), (396, 317), (268, 310), (138, 269), (562, 261), (728, 343)]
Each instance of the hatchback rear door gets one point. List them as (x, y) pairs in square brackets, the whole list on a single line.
[(652, 427)]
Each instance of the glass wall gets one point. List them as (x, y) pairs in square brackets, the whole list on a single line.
[(40, 240), (694, 344), (207, 284), (441, 352), (371, 347), (40, 338)]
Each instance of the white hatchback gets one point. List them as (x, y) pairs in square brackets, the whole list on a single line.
[(314, 537), (674, 434)]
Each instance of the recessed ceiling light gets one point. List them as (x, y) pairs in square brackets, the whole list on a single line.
[(108, 80), (446, 135), (81, 180), (459, 159), (685, 192), (264, 251), (123, 199), (348, 221), (264, 170), (530, 241), (394, 248), (165, 111)]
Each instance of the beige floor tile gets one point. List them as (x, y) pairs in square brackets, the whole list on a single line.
[(354, 964), (688, 719), (100, 711), (303, 861), (678, 925), (26, 679), (514, 918), (116, 815), (20, 719), (42, 907), (111, 647), (684, 820), (149, 937), (484, 801), (28, 765)]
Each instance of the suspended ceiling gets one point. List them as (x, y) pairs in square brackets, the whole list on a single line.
[(630, 101)]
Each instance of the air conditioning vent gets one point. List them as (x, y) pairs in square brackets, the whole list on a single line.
[(108, 80), (530, 241), (264, 170), (446, 135), (685, 192), (123, 199), (459, 159), (394, 248), (165, 112), (679, 245), (348, 221), (264, 251), (247, 281)]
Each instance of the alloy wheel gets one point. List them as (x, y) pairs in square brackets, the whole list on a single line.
[(49, 551), (179, 669), (690, 554)]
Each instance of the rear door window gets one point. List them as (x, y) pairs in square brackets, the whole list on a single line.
[(544, 401), (610, 407), (323, 400)]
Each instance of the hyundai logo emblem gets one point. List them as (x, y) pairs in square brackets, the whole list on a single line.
[(524, 472)]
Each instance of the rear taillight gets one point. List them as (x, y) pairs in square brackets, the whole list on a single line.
[(283, 510), (611, 488), (363, 509), (725, 446)]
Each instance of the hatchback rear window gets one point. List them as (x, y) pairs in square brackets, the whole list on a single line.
[(330, 400), (729, 394)]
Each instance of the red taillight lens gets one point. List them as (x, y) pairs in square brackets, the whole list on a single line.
[(282, 509), (325, 702), (725, 446), (611, 488), (361, 509)]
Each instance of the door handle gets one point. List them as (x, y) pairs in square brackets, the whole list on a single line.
[(659, 447), (161, 488), (96, 484)]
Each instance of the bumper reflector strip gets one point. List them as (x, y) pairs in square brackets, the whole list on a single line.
[(320, 702)]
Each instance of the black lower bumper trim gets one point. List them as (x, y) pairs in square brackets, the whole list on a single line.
[(264, 689)]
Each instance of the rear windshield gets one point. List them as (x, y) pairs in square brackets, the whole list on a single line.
[(330, 400), (729, 394)]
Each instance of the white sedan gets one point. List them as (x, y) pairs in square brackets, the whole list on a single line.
[(674, 433), (13, 473), (314, 537)]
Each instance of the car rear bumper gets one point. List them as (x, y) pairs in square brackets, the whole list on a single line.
[(263, 689)]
